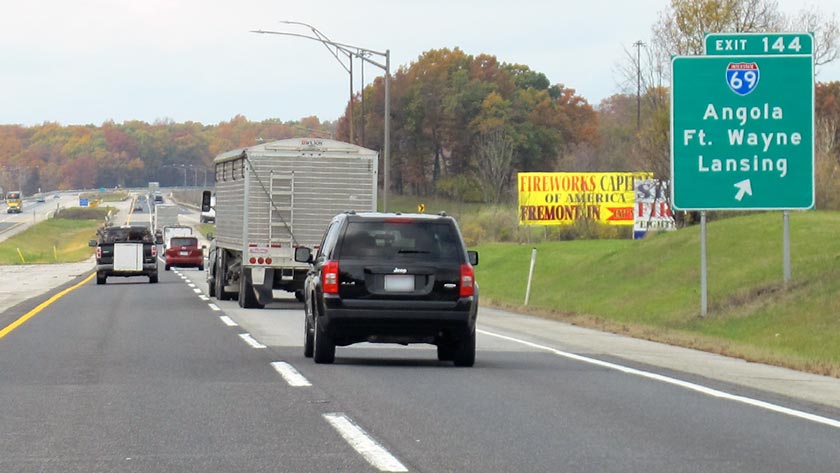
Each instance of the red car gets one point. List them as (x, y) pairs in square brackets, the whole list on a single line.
[(184, 252)]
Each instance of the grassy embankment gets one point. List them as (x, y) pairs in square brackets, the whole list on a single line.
[(57, 240), (651, 288)]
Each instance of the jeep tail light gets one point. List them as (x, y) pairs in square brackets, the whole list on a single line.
[(329, 277), (98, 252), (154, 251), (467, 281)]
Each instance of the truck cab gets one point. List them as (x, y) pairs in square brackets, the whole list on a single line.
[(14, 202)]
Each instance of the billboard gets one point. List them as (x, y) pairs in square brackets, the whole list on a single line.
[(562, 198), (653, 207)]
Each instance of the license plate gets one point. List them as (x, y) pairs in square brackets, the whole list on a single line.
[(399, 282), (185, 253)]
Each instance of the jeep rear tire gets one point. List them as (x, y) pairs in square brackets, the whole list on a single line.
[(465, 350), (445, 350), (101, 278), (324, 352), (308, 338)]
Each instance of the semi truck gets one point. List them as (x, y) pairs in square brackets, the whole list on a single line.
[(274, 197), (154, 188), (166, 215)]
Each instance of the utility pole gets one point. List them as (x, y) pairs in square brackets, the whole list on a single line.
[(638, 45), (364, 55)]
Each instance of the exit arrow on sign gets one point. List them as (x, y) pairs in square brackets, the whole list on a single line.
[(744, 187)]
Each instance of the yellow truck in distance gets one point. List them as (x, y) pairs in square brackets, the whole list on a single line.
[(14, 202)]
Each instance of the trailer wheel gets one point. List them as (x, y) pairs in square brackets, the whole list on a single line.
[(211, 283)]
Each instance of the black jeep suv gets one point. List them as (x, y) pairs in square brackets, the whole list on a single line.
[(391, 278)]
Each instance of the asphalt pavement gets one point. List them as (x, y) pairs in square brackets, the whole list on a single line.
[(21, 283)]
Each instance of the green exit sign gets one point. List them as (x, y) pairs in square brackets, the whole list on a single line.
[(729, 44), (742, 132)]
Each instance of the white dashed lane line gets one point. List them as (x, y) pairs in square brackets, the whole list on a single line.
[(363, 443), (228, 321), (290, 374), (250, 340)]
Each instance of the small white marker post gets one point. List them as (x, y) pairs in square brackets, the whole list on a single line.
[(530, 274)]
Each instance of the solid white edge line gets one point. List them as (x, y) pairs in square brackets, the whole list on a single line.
[(290, 374), (228, 321), (676, 382), (250, 340), (367, 447), (214, 307)]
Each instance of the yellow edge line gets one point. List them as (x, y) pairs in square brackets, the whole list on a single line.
[(32, 313)]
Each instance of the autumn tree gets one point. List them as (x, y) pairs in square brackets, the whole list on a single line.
[(827, 145), (495, 152), (446, 100)]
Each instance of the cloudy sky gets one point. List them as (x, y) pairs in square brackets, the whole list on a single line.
[(89, 61)]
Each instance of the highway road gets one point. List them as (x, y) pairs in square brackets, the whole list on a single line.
[(132, 376), (33, 212)]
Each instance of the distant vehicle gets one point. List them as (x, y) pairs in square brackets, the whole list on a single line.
[(125, 251), (184, 252), (273, 197), (40, 199), (158, 197), (57, 196), (391, 278), (14, 201)]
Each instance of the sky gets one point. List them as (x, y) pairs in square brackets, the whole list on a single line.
[(91, 61)]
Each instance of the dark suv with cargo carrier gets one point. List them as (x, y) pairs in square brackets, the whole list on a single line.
[(391, 278), (125, 251)]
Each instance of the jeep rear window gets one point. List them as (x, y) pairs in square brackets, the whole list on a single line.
[(417, 240)]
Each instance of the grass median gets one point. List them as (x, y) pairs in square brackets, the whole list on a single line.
[(651, 288), (57, 240)]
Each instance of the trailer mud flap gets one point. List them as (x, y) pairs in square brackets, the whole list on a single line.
[(258, 276), (262, 280)]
